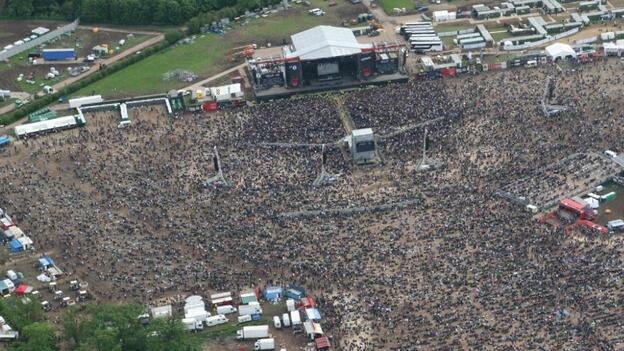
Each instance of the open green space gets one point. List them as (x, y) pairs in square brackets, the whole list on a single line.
[(208, 54), (389, 5), (450, 27), (498, 36)]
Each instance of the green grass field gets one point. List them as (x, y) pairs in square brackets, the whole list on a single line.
[(452, 27), (207, 55), (389, 5)]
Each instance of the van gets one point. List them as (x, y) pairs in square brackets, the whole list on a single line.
[(226, 309), (216, 320), (531, 63), (244, 319), (286, 320), (610, 153), (277, 323)]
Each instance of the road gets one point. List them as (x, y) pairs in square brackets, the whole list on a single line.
[(116, 30), (141, 46)]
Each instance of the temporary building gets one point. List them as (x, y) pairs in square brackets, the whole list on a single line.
[(313, 314), (248, 297), (23, 289), (593, 203), (322, 343), (199, 314), (15, 246), (40, 31), (226, 92), (312, 329), (273, 293), (307, 302), (444, 15), (559, 51)]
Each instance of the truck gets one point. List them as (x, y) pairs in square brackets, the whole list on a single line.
[(192, 324), (253, 332), (252, 308), (295, 321), (265, 344)]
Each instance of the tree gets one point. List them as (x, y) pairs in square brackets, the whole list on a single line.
[(20, 8), (18, 314), (172, 36), (37, 336), (169, 335)]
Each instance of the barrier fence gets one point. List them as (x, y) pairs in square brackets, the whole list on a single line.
[(540, 42), (38, 41)]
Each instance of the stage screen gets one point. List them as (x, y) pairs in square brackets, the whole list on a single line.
[(324, 69)]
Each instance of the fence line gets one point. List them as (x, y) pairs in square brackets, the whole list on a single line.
[(38, 41), (540, 42)]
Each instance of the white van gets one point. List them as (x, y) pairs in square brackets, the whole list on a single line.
[(226, 309), (531, 63), (286, 320), (610, 153), (216, 320), (277, 323), (244, 319)]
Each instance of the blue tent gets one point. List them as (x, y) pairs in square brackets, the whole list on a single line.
[(15, 246), (46, 262), (313, 314), (273, 293)]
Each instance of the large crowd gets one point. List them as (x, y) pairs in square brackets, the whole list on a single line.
[(460, 268)]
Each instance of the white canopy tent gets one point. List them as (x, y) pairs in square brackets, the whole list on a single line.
[(559, 51)]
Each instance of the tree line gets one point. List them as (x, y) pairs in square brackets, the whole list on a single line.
[(130, 12), (94, 328)]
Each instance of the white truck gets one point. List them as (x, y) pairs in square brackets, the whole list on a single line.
[(295, 321), (265, 344), (253, 332), (252, 308), (192, 324)]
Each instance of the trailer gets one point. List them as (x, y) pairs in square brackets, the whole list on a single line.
[(87, 100), (253, 332), (58, 54), (252, 308), (53, 125)]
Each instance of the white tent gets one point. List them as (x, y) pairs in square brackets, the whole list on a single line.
[(325, 42), (559, 51)]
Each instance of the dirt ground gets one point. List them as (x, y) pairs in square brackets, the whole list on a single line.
[(84, 41), (12, 31)]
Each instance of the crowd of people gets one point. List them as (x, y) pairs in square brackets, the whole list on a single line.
[(458, 269)]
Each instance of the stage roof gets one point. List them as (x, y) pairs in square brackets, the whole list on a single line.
[(325, 42)]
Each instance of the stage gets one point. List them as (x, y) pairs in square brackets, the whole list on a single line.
[(278, 92)]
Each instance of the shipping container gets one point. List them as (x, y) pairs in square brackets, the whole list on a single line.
[(58, 54)]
